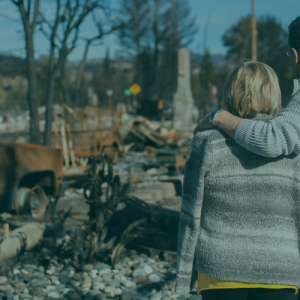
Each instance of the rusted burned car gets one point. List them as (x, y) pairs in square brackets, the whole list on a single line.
[(28, 173)]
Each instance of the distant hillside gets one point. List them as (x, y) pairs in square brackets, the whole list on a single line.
[(12, 65), (128, 63), (93, 65)]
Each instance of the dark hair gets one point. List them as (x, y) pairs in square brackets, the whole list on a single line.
[(294, 34)]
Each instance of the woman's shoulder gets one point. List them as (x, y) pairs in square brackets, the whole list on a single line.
[(207, 142), (210, 136)]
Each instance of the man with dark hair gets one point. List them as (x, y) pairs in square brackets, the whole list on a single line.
[(279, 136)]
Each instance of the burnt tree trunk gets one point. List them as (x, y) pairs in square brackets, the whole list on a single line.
[(32, 96), (80, 72), (49, 110)]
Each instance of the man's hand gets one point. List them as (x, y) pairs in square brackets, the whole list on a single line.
[(205, 124), (224, 120)]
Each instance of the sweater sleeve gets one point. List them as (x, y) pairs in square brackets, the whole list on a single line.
[(279, 136), (189, 224)]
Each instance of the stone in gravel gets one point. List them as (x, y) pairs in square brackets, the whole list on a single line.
[(139, 259), (51, 287), (26, 291), (101, 266), (66, 291), (93, 293), (94, 274), (128, 294), (165, 298), (128, 283), (139, 279), (118, 266), (125, 259), (40, 283), (87, 279), (148, 269), (109, 289), (64, 278), (118, 291), (53, 295), (3, 288), (184, 297), (41, 269), (150, 261), (156, 296), (153, 278), (113, 282), (86, 285), (23, 271), (72, 295), (3, 279), (140, 298), (71, 273), (74, 283), (16, 271), (53, 278), (65, 272), (38, 291), (139, 272), (76, 276), (98, 286), (60, 287), (50, 271), (25, 278), (88, 267), (99, 297), (106, 276), (97, 279), (24, 296), (106, 271), (8, 296), (20, 286)]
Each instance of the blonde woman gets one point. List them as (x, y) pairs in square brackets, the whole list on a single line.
[(239, 221)]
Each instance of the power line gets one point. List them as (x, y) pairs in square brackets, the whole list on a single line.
[(254, 33)]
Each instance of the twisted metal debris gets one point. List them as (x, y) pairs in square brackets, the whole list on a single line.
[(92, 241)]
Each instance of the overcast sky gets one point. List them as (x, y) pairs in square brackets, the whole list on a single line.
[(220, 13)]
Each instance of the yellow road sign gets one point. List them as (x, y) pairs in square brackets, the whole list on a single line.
[(135, 89)]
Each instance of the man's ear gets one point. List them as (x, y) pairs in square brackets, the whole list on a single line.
[(295, 55)]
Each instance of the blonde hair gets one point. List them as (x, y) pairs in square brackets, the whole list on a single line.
[(252, 88)]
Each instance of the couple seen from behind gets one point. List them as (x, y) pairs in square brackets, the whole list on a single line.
[(240, 214)]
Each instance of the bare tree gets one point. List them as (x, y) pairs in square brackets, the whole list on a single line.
[(154, 27), (135, 35), (68, 18), (160, 29), (88, 42), (29, 16)]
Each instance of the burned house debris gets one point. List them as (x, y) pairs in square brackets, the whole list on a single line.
[(105, 200), (28, 174)]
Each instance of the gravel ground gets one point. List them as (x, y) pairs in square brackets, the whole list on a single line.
[(39, 275)]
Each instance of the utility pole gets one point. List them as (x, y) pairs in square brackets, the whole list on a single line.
[(254, 33)]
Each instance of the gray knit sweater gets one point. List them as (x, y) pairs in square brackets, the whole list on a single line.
[(279, 136), (240, 214)]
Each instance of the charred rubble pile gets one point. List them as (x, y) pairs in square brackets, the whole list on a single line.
[(95, 260)]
